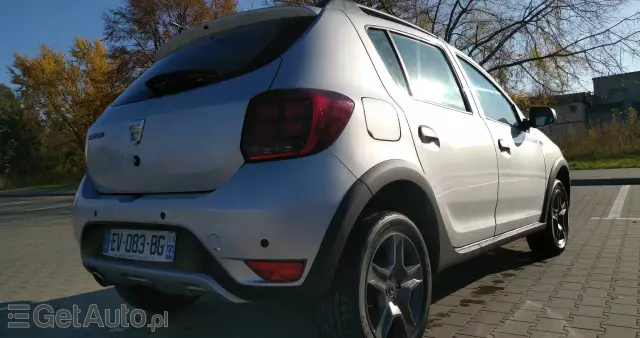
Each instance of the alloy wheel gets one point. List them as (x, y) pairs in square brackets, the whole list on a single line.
[(395, 287), (559, 218)]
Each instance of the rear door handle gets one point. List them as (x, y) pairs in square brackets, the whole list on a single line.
[(427, 135), (503, 146)]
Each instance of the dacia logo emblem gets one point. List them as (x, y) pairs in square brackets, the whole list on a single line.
[(135, 131)]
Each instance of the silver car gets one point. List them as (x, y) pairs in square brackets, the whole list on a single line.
[(337, 154)]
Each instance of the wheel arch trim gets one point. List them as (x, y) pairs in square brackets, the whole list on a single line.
[(558, 164), (351, 207), (391, 171)]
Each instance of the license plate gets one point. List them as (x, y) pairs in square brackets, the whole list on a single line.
[(144, 245)]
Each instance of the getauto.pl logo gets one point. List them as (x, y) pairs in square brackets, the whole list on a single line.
[(22, 316)]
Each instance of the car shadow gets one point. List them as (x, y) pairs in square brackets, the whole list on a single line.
[(502, 261), (201, 319), (238, 320)]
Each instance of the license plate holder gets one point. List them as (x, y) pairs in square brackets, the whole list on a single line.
[(142, 245)]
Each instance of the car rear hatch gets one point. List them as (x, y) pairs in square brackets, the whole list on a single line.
[(178, 127)]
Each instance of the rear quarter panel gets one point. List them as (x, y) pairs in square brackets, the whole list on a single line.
[(331, 56)]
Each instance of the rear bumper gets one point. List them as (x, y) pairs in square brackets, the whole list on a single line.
[(167, 280), (289, 203)]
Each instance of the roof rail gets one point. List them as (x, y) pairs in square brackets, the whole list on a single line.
[(350, 5), (387, 16)]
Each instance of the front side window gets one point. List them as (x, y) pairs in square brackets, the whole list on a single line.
[(495, 105), (430, 74)]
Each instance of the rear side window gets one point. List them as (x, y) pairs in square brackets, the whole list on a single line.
[(388, 56), (430, 74), (219, 57)]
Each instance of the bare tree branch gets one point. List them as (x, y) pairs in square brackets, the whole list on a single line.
[(565, 51)]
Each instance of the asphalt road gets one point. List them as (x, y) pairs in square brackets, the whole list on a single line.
[(591, 290)]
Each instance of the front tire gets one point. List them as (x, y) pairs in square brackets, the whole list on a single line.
[(153, 300), (553, 239), (382, 287)]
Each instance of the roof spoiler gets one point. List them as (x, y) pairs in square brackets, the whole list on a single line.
[(351, 6)]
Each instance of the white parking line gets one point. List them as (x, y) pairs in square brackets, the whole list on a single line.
[(616, 208)]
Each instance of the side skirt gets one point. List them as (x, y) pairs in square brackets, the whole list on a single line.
[(501, 239)]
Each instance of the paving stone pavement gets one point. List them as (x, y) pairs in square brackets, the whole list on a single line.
[(591, 290)]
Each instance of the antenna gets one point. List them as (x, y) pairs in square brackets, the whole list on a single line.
[(347, 5)]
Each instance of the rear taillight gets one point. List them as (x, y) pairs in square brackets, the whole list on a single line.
[(293, 122)]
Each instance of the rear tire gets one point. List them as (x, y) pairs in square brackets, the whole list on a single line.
[(553, 239), (384, 273), (153, 300)]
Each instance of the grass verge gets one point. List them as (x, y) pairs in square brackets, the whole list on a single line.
[(41, 182), (43, 186), (630, 161)]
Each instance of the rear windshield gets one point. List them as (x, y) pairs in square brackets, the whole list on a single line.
[(222, 56)]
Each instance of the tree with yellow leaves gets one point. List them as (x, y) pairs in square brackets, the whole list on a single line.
[(59, 95), (68, 92)]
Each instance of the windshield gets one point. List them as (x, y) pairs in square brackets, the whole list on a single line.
[(219, 57)]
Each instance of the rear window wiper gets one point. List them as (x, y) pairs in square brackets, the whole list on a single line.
[(177, 81)]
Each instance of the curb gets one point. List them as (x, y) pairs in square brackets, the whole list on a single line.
[(605, 181)]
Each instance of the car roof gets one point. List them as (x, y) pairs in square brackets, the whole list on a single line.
[(211, 27)]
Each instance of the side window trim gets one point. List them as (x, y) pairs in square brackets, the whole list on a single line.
[(447, 57), (400, 60), (464, 82), (367, 29), (514, 107)]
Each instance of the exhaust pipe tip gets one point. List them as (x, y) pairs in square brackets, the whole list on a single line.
[(98, 277)]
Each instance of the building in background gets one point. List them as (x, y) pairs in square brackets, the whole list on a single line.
[(611, 94), (614, 93)]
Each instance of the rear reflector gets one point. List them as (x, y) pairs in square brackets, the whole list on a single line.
[(276, 271), (293, 122)]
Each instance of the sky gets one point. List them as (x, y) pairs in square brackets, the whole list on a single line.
[(27, 24)]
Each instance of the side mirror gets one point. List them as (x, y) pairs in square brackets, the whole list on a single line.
[(541, 116)]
